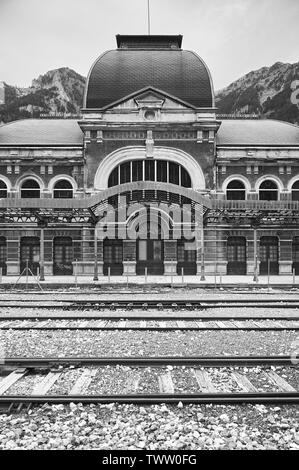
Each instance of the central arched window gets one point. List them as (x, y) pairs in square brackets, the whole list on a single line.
[(162, 171), (268, 191), (295, 191), (30, 189), (3, 189), (63, 189), (235, 190)]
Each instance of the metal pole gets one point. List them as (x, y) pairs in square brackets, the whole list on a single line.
[(109, 274), (255, 275), (76, 273), (148, 18), (215, 276), (26, 274), (171, 276), (42, 255), (38, 273), (145, 275), (95, 274), (268, 273), (294, 276), (182, 271), (0, 275), (202, 257)]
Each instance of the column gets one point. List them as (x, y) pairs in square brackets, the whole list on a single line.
[(95, 273)]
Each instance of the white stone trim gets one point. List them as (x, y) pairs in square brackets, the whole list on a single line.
[(57, 178), (139, 153), (236, 177), (269, 177), (6, 181), (29, 176), (290, 183)]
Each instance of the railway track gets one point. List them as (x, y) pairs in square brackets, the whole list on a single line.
[(65, 323), (146, 304), (147, 380)]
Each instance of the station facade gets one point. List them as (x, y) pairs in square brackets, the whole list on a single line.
[(148, 180)]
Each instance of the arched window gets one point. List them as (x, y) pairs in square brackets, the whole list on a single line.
[(295, 191), (63, 189), (150, 170), (3, 189), (268, 191), (235, 190), (30, 189)]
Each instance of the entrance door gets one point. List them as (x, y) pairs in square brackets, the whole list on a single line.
[(150, 255), (295, 257), (30, 248), (236, 256), (269, 252), (186, 257), (63, 256), (3, 255), (113, 257)]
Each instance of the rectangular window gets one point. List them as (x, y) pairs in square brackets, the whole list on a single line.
[(149, 170), (162, 171)]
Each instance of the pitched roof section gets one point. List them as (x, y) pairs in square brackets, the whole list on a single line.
[(42, 132), (253, 132), (122, 72)]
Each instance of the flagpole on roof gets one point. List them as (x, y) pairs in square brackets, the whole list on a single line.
[(148, 18)]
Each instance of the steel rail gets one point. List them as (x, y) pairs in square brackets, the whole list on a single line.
[(146, 305), (148, 317), (278, 397), (150, 328), (152, 301), (207, 361)]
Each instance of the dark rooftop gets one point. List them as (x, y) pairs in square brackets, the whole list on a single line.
[(149, 42), (41, 132), (149, 61), (254, 132)]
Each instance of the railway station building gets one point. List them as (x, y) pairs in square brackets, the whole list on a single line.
[(149, 180)]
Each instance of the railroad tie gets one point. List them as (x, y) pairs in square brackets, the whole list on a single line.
[(162, 324), (244, 383), (181, 324), (142, 324), (132, 384), (279, 381), (83, 381), (204, 381), (10, 379), (166, 383), (202, 324), (46, 383), (122, 324), (101, 323), (221, 324)]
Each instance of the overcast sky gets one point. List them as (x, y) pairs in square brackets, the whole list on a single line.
[(232, 36)]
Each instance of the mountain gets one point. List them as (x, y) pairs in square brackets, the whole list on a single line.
[(58, 92), (266, 92)]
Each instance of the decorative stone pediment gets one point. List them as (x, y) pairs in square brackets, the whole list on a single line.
[(149, 99)]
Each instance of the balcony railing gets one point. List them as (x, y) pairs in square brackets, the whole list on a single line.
[(254, 205)]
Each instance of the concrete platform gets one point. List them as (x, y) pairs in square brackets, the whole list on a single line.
[(175, 281)]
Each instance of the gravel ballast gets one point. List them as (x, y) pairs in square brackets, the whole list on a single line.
[(61, 343), (113, 426)]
